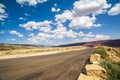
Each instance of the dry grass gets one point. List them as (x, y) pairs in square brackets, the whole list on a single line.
[(17, 49), (114, 53)]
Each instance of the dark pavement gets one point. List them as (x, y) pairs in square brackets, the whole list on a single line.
[(64, 66)]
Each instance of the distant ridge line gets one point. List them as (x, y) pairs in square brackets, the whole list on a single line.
[(111, 43)]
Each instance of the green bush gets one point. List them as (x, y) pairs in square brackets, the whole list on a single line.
[(113, 69), (101, 51)]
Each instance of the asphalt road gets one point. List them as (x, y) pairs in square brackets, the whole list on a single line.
[(48, 67)]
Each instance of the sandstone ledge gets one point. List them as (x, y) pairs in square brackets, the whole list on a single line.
[(93, 71)]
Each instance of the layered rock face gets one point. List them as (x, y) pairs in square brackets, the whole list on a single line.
[(85, 77), (95, 59), (96, 70), (93, 71)]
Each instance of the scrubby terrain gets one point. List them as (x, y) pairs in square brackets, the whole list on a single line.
[(110, 61), (10, 49), (114, 53)]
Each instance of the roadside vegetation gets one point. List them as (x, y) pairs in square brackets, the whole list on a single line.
[(102, 52), (112, 67)]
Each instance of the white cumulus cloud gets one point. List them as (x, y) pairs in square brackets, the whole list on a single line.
[(79, 16), (84, 7), (102, 37), (66, 15), (26, 14), (83, 22), (53, 9), (62, 32), (16, 33), (21, 18), (30, 2), (39, 38), (115, 10), (89, 34), (82, 16), (3, 13), (44, 26), (55, 4), (92, 38), (31, 34)]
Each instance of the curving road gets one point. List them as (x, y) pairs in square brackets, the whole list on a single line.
[(48, 67)]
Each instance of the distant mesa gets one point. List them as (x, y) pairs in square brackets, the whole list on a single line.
[(111, 43)]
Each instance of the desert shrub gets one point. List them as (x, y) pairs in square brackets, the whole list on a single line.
[(117, 53), (101, 51), (113, 69), (109, 49)]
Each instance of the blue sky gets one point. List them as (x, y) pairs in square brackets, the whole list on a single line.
[(54, 22)]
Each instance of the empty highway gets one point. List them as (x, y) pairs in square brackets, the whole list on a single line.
[(64, 66)]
